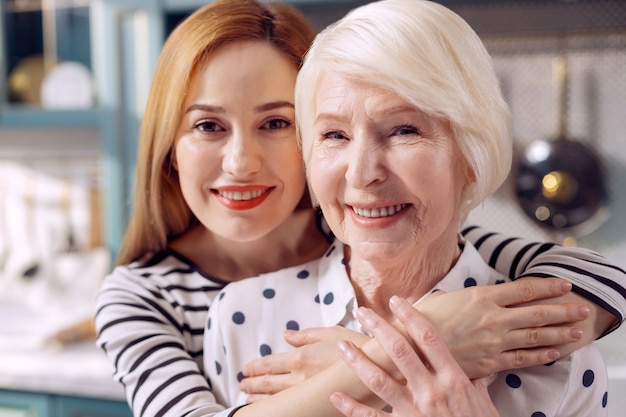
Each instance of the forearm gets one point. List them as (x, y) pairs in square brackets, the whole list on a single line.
[(312, 397)]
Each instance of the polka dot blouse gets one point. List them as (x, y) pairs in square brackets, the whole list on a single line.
[(249, 317)]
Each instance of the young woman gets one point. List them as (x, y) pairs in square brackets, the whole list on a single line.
[(221, 195)]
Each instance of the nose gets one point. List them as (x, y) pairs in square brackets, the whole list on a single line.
[(242, 155), (366, 162)]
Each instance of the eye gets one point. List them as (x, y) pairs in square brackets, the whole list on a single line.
[(406, 130), (334, 135), (277, 123), (208, 126)]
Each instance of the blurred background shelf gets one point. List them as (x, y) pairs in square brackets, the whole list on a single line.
[(31, 117)]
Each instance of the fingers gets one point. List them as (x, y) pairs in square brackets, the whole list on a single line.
[(482, 386), (351, 408), (529, 289), (374, 378), (320, 334), (277, 363), (267, 384), (546, 314), (299, 338), (542, 336), (431, 346)]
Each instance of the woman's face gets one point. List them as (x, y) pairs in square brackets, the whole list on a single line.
[(387, 176), (239, 165)]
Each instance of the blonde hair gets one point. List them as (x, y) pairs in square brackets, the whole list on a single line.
[(429, 56), (160, 212)]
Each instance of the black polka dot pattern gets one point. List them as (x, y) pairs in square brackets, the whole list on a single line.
[(520, 388), (469, 282), (265, 350), (329, 298), (513, 381), (588, 378), (253, 318), (239, 318)]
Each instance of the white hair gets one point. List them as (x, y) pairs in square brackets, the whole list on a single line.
[(429, 56)]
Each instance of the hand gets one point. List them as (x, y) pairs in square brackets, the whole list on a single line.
[(316, 349), (430, 382), (492, 328)]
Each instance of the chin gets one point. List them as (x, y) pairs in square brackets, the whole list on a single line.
[(377, 251)]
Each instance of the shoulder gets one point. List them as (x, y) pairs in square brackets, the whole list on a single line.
[(162, 277), (164, 267)]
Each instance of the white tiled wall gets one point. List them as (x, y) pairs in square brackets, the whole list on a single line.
[(597, 116)]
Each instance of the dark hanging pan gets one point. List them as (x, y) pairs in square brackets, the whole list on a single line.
[(560, 183)]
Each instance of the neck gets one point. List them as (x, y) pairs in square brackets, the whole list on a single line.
[(413, 276), (296, 241)]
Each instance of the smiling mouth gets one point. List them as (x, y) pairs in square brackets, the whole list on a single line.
[(242, 195), (378, 212)]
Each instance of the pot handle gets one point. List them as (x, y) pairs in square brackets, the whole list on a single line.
[(559, 73)]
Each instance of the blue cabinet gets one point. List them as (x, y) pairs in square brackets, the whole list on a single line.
[(28, 404), (119, 41)]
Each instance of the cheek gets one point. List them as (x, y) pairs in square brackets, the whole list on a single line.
[(448, 184), (321, 177), (194, 165)]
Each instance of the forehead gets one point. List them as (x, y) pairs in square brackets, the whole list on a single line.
[(246, 59), (250, 68), (339, 93)]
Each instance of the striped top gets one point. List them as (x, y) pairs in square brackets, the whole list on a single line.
[(151, 314)]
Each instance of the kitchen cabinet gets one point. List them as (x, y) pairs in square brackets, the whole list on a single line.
[(38, 34), (119, 42), (42, 380), (28, 404)]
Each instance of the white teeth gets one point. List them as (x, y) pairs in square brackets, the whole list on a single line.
[(378, 211), (242, 195)]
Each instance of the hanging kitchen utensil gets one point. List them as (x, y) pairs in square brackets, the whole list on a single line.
[(560, 182)]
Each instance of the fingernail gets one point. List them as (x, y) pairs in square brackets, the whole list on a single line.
[(554, 355), (364, 316), (394, 300), (398, 302), (576, 333), (344, 349), (336, 400), (583, 311), (566, 286)]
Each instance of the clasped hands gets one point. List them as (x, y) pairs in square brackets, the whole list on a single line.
[(453, 345)]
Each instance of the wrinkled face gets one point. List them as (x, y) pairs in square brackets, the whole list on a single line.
[(387, 176), (239, 165)]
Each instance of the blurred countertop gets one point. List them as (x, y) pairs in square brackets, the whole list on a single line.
[(29, 362)]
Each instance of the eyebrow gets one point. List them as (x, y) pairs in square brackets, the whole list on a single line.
[(218, 109), (274, 105), (403, 108)]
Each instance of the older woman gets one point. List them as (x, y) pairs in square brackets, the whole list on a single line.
[(404, 130)]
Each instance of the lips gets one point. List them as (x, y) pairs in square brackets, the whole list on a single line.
[(242, 198)]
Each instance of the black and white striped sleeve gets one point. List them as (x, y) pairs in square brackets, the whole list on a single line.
[(590, 273)]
